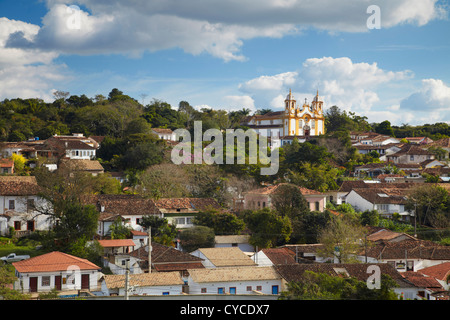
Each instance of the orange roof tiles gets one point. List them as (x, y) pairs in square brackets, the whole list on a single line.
[(272, 189), (117, 243), (53, 261)]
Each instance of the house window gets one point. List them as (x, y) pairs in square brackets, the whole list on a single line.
[(411, 158), (180, 220), (17, 225), (165, 293), (232, 290), (220, 290), (249, 288), (5, 170), (45, 281), (258, 288), (203, 290), (30, 204), (12, 205), (274, 289), (317, 205), (188, 220)]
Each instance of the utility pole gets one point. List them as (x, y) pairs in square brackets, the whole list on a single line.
[(150, 249), (365, 246), (415, 221), (127, 271)]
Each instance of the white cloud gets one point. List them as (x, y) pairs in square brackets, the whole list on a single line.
[(31, 81), (239, 102), (215, 27), (342, 82), (433, 95), (26, 73)]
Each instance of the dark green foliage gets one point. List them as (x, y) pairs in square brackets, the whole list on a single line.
[(223, 223), (197, 237)]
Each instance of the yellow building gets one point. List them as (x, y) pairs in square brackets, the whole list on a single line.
[(300, 122)]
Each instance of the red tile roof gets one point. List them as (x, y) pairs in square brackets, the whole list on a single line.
[(117, 243), (280, 255), (439, 271), (53, 261), (273, 188), (18, 186)]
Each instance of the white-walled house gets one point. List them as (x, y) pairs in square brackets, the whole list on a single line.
[(407, 255), (223, 257), (56, 270), (234, 280), (129, 208), (19, 202), (239, 241), (386, 201), (359, 271), (143, 284), (165, 134), (274, 256)]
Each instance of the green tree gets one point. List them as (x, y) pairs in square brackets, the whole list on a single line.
[(7, 278), (288, 201), (119, 230), (370, 218), (162, 232), (341, 240), (197, 237), (223, 223), (385, 128), (432, 203), (268, 229), (321, 286)]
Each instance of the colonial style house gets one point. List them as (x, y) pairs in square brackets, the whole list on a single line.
[(127, 207), (143, 284), (27, 149), (431, 288), (241, 241), (262, 198), (181, 211), (85, 165), (274, 256), (440, 272), (223, 257), (165, 134), (406, 255), (410, 153), (6, 166), (19, 201), (441, 143), (164, 259), (75, 146), (380, 235), (386, 201), (56, 270), (359, 271), (234, 280), (374, 169), (382, 149)]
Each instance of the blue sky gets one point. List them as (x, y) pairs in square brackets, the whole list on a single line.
[(234, 54)]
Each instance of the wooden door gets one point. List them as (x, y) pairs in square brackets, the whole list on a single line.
[(33, 284), (58, 282), (85, 281)]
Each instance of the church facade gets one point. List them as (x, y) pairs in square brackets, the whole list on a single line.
[(281, 127)]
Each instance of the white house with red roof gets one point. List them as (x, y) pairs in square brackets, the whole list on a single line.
[(56, 270)]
